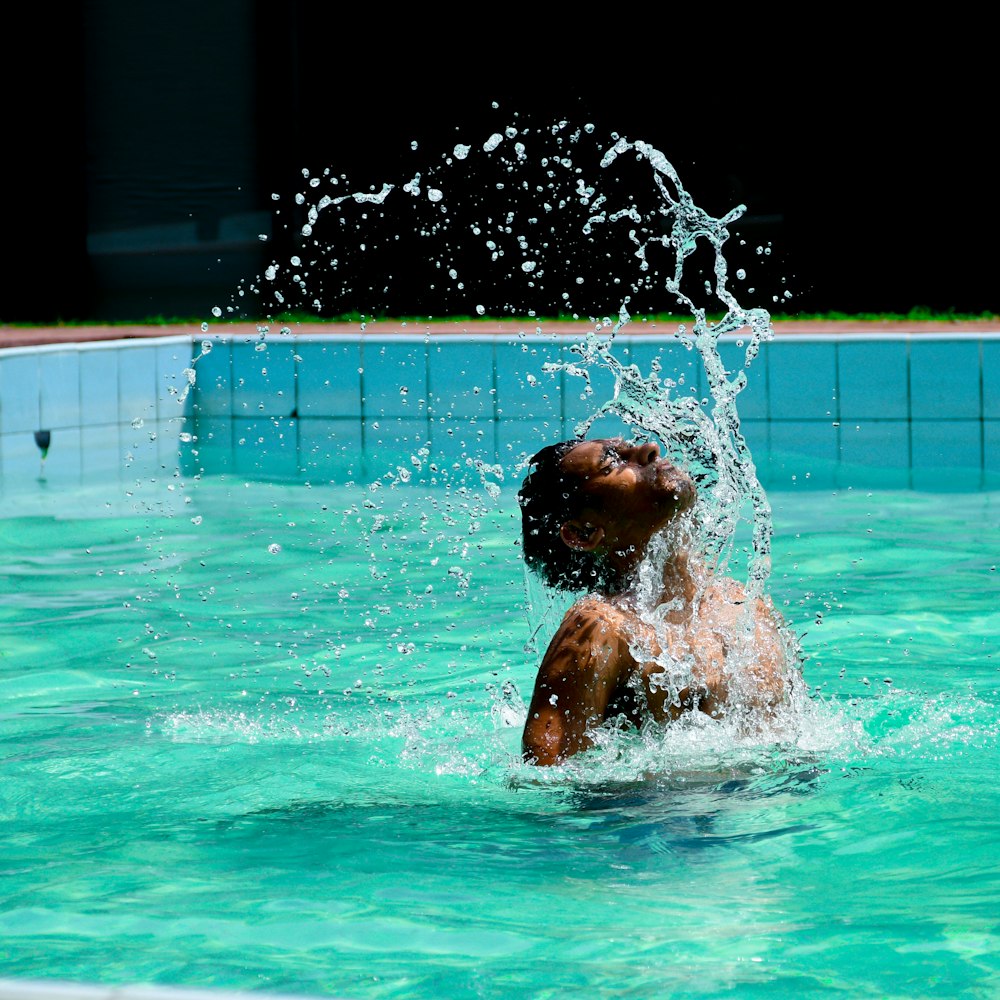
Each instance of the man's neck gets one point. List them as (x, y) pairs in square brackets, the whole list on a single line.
[(679, 584), (660, 581)]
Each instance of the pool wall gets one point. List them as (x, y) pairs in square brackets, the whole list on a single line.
[(108, 407), (820, 410)]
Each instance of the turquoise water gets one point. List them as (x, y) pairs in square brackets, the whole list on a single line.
[(264, 736)]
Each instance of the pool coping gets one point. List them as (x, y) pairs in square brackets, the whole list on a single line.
[(17, 336)]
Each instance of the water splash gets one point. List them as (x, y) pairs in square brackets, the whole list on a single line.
[(708, 444), (520, 223), (515, 225)]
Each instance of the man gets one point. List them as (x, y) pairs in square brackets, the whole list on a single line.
[(613, 519)]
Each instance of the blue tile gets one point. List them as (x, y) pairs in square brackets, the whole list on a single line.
[(213, 389), (802, 453), (151, 451), (991, 378), (802, 380), (944, 379), (136, 383), (20, 393), (524, 391), (805, 437), (100, 449), (329, 378), (59, 378), (461, 378), (873, 477), (168, 441), (578, 405), (752, 403), (991, 452), (267, 448), (98, 386), (212, 447), (881, 443), (394, 378), (461, 437), (141, 452), (945, 446), (173, 392), (263, 380), (64, 464), (393, 441), (873, 380), (330, 449), (518, 440), (20, 461), (757, 434)]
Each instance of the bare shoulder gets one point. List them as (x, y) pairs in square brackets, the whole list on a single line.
[(597, 609), (592, 627), (726, 602), (582, 668), (728, 610)]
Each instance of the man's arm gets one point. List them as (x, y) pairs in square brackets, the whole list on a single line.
[(580, 671)]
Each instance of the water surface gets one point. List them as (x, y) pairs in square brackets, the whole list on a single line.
[(256, 736)]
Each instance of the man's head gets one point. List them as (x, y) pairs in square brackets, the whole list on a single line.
[(589, 509)]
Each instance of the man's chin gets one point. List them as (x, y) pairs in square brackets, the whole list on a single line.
[(678, 485)]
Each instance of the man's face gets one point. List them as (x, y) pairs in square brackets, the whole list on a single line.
[(630, 492)]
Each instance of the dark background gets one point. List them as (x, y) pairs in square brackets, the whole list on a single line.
[(145, 142)]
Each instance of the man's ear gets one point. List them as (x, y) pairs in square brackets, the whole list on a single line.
[(582, 537)]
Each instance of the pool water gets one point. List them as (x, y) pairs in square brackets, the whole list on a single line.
[(264, 735)]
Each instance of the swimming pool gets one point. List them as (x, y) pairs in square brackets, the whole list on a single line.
[(260, 689)]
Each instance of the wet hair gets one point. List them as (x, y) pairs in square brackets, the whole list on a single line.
[(548, 498)]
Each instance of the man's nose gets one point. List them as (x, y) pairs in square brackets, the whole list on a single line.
[(647, 453)]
